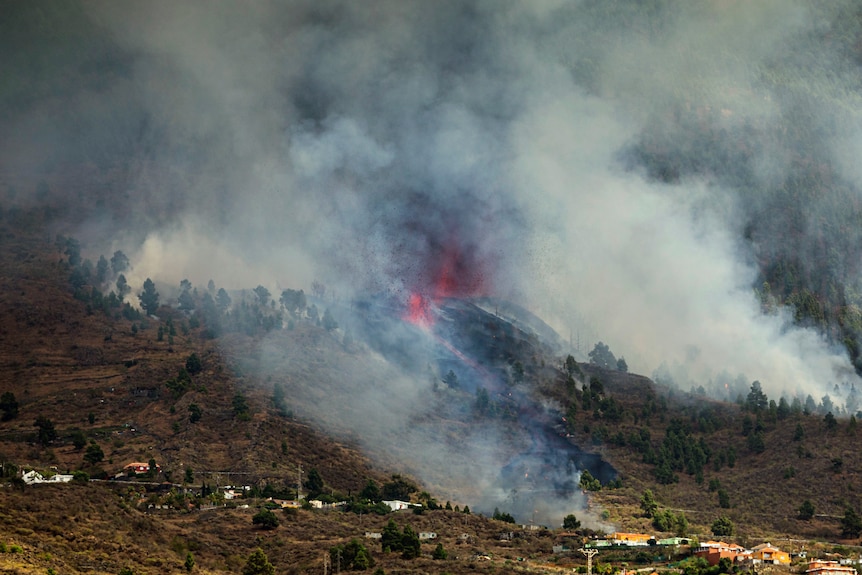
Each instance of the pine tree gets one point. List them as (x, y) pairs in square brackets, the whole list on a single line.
[(258, 564)]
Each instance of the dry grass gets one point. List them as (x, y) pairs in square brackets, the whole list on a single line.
[(65, 364)]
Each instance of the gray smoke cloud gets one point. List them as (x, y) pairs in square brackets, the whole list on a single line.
[(605, 164)]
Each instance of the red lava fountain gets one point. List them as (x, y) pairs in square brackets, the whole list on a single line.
[(418, 312), (450, 274)]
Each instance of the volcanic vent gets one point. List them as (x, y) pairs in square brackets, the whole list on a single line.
[(484, 354)]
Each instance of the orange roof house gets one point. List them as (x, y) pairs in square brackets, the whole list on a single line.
[(715, 551), (630, 538), (767, 553), (139, 467), (820, 567)]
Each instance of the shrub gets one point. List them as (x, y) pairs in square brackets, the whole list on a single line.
[(266, 519)]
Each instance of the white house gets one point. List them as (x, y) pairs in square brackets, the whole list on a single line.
[(396, 505), (32, 477)]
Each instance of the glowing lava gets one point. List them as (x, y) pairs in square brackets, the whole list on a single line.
[(418, 311), (451, 273)]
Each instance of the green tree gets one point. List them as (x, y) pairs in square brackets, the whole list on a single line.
[(371, 491), (46, 433), (102, 270), (783, 410), (602, 356), (798, 433), (851, 524), (190, 562), (756, 443), (756, 401), (398, 488), (266, 519), (240, 407), (279, 400), (806, 510), (722, 527), (258, 564), (622, 365), (329, 322), (119, 262), (293, 301), (123, 287), (588, 482), (571, 522), (390, 539), (723, 499), (79, 440), (505, 517), (451, 380), (73, 251), (185, 301), (193, 364), (149, 297), (313, 483), (189, 476), (483, 401), (222, 299), (8, 405), (410, 546), (94, 454), (571, 366), (648, 504), (262, 295), (353, 556), (439, 553), (830, 421), (195, 413)]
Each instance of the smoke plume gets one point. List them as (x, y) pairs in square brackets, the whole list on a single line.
[(632, 170)]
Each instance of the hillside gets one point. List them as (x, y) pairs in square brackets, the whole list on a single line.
[(66, 363), (767, 462)]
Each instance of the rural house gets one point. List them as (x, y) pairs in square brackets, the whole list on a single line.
[(821, 567), (139, 468), (715, 551), (767, 553)]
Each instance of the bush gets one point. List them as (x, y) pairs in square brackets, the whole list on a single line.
[(266, 519), (193, 364)]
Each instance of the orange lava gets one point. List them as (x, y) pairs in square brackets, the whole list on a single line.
[(418, 312)]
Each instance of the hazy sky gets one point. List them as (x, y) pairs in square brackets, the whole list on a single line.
[(509, 148)]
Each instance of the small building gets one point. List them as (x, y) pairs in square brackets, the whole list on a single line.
[(139, 468), (286, 503), (373, 535), (425, 535), (630, 539), (673, 541), (822, 567), (397, 505), (767, 553), (715, 551), (33, 477)]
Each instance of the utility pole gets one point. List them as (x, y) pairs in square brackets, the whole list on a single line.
[(327, 564), (299, 483), (590, 553)]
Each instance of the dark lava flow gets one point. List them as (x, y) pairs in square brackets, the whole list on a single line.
[(480, 339)]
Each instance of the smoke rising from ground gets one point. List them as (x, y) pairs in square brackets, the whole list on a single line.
[(613, 164)]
